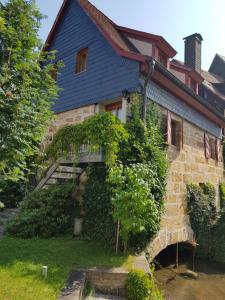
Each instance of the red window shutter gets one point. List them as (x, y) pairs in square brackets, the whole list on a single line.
[(218, 150), (207, 146), (169, 134)]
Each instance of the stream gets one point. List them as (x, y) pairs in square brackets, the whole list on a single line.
[(209, 285)]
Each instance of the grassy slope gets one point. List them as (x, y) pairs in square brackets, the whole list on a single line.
[(21, 263)]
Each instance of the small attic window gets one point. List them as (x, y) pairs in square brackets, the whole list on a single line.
[(81, 60)]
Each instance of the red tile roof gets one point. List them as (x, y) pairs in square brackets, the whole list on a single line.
[(112, 32)]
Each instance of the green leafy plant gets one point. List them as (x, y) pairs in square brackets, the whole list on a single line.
[(45, 213), (98, 221), (12, 193), (135, 206), (102, 130), (134, 178), (222, 195), (2, 206), (203, 217), (26, 87), (141, 287)]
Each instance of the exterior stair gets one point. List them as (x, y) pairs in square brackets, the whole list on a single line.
[(65, 170), (59, 172)]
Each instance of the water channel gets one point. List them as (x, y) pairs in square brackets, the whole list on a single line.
[(209, 285)]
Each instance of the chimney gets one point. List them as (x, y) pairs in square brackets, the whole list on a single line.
[(193, 53)]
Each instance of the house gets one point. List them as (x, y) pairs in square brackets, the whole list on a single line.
[(105, 62), (213, 86)]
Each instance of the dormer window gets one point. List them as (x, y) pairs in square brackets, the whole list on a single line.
[(81, 61)]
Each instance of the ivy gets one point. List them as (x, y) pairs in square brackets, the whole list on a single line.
[(131, 187), (98, 221), (100, 131), (222, 195), (208, 225)]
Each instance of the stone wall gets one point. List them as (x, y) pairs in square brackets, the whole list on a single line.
[(186, 165), (70, 117)]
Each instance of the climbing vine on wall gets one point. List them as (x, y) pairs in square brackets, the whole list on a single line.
[(132, 188), (102, 130), (207, 223)]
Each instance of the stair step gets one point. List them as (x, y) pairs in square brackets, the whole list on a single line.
[(51, 181), (66, 169), (59, 175)]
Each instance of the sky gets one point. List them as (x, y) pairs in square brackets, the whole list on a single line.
[(173, 19)]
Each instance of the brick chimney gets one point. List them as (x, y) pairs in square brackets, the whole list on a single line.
[(193, 52)]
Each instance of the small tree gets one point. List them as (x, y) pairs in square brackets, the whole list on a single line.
[(26, 87), (134, 202)]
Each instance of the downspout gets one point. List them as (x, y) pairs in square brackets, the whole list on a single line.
[(151, 68)]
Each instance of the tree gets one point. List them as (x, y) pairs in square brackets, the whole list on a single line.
[(26, 87)]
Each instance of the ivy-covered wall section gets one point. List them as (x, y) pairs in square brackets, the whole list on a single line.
[(207, 223), (124, 197)]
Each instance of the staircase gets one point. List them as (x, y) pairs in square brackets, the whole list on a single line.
[(64, 169), (59, 172)]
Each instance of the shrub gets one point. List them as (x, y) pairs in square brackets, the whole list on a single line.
[(222, 195), (12, 193), (2, 206), (45, 213), (141, 287), (135, 205)]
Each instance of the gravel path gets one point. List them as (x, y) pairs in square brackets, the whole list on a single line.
[(5, 215)]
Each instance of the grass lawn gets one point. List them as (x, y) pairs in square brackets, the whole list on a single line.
[(21, 264)]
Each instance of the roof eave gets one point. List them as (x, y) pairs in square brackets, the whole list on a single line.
[(211, 113)]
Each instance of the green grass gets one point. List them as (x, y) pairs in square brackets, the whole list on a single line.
[(21, 264)]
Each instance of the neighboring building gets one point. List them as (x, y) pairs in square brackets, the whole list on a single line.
[(213, 86), (104, 61)]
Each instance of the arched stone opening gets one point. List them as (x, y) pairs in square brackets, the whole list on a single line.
[(166, 238)]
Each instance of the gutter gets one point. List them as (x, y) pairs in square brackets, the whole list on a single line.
[(151, 68), (186, 89)]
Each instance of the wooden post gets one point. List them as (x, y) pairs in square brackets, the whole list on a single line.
[(177, 255), (193, 259), (117, 236)]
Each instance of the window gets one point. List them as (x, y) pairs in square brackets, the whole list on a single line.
[(81, 61), (212, 145), (115, 109), (175, 133)]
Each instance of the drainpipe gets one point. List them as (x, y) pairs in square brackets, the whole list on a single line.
[(151, 64)]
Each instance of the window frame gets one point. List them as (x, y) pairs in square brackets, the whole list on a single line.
[(81, 61)]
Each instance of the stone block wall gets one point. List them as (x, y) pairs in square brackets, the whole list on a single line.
[(186, 165), (70, 117)]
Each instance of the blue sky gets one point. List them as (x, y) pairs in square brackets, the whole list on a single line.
[(173, 19)]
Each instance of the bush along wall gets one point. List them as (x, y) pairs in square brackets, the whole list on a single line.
[(45, 213), (208, 225)]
